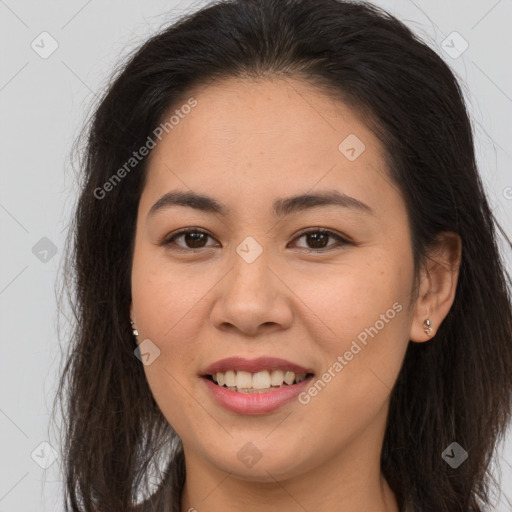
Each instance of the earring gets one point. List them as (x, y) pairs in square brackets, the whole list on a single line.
[(426, 324), (134, 331)]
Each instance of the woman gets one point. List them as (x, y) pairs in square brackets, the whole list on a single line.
[(289, 292)]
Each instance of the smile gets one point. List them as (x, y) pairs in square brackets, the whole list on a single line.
[(260, 382)]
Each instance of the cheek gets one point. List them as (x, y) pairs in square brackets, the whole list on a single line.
[(351, 298), (171, 315), (168, 315), (166, 304), (366, 324), (164, 294)]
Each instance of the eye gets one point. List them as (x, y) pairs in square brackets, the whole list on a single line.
[(195, 238), (318, 238)]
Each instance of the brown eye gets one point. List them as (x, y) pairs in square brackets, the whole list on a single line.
[(317, 240), (193, 238)]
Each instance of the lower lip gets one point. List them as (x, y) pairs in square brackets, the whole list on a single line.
[(255, 403)]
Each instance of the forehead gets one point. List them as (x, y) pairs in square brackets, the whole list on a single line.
[(262, 137), (267, 118)]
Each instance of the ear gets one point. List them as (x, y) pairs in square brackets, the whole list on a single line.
[(438, 283), (131, 312)]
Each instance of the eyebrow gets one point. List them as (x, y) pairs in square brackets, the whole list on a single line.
[(280, 207)]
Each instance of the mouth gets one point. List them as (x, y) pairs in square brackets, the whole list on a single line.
[(256, 392), (253, 376), (264, 381)]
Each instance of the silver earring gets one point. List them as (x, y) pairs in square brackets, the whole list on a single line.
[(134, 331), (426, 324)]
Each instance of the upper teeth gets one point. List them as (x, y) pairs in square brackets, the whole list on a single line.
[(260, 380)]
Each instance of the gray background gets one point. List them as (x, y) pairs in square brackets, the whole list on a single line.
[(43, 104)]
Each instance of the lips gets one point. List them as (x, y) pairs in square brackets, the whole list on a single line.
[(254, 365), (254, 404)]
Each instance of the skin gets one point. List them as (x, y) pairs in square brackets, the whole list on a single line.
[(247, 143)]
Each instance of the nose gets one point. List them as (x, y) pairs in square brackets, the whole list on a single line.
[(252, 299)]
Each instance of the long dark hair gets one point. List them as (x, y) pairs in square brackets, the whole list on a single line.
[(457, 387)]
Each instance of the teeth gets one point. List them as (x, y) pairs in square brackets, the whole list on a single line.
[(260, 380), (243, 380), (247, 382), (289, 378), (277, 378), (229, 378)]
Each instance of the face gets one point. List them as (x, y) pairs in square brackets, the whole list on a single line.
[(323, 284)]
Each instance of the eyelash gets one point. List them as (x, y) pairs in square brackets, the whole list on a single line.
[(341, 240)]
